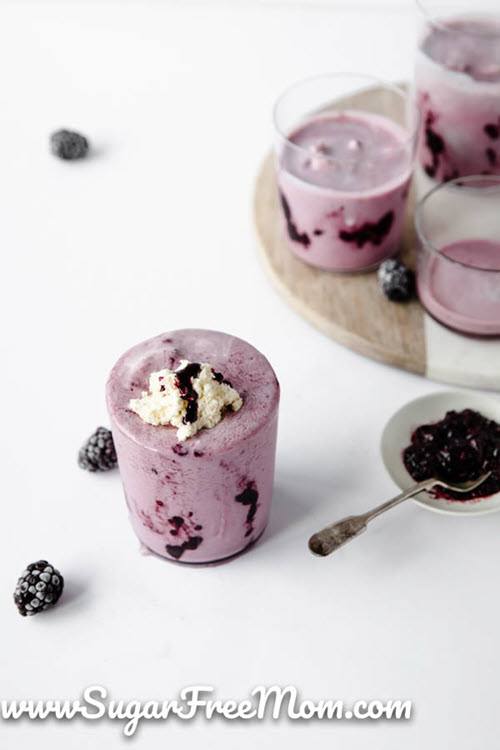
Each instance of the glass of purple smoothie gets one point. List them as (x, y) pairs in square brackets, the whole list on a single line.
[(194, 416), (458, 261), (345, 146), (457, 87)]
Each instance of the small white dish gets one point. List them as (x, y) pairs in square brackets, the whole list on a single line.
[(432, 408)]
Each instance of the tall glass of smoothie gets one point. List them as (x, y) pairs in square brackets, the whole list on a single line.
[(345, 145), (194, 416), (458, 261), (457, 86)]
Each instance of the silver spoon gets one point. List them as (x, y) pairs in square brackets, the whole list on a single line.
[(337, 534)]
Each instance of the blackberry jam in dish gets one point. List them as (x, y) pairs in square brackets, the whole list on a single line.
[(458, 448)]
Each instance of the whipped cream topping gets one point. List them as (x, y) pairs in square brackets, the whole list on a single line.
[(190, 398)]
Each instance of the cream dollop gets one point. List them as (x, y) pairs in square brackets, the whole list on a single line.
[(191, 398)]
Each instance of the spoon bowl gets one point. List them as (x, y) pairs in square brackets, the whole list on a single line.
[(464, 486)]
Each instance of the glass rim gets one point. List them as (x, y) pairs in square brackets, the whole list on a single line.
[(372, 81), (461, 13), (456, 184)]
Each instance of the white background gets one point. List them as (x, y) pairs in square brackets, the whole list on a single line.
[(153, 233)]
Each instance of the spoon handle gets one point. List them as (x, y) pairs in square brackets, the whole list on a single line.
[(379, 509), (337, 534)]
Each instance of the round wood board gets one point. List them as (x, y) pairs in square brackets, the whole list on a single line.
[(351, 309)]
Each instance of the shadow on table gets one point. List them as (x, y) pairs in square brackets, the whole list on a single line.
[(297, 499), (74, 594)]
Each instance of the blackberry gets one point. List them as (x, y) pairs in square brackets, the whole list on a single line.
[(38, 588), (98, 453), (67, 144), (396, 280)]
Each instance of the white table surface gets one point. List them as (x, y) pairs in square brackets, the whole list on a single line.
[(154, 233)]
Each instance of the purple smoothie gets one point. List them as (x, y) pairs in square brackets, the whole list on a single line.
[(343, 180), (457, 81), (460, 285), (208, 497)]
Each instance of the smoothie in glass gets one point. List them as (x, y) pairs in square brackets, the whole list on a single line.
[(458, 258), (198, 487), (457, 86), (343, 173)]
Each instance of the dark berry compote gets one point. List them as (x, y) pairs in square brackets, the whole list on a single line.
[(459, 448)]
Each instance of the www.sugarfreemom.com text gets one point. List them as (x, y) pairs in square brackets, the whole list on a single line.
[(263, 702)]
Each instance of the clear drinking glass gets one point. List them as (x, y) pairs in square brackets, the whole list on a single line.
[(345, 148), (458, 261), (457, 87)]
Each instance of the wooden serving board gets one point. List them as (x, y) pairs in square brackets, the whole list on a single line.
[(351, 309)]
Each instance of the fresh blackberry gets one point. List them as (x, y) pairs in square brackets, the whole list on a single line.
[(67, 144), (396, 280), (38, 588), (98, 453)]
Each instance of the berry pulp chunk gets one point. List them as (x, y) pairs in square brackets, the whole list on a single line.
[(343, 181), (207, 497), (458, 448), (457, 81), (465, 294)]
